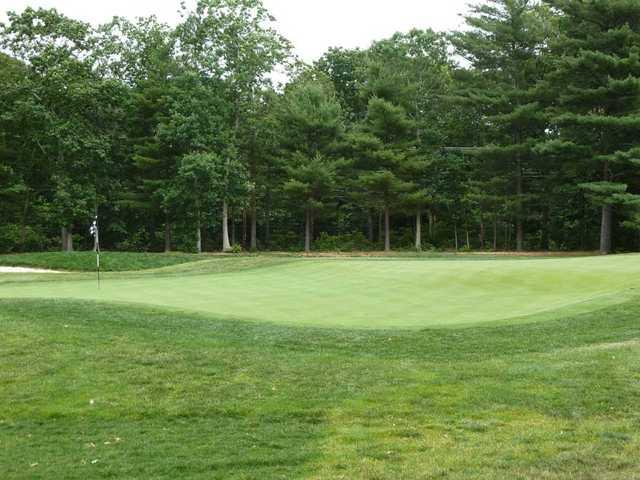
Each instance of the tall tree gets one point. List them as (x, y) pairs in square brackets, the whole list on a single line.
[(383, 184), (233, 40), (203, 180), (21, 181), (596, 99), (77, 109), (413, 71), (503, 45), (142, 55), (311, 122), (312, 182)]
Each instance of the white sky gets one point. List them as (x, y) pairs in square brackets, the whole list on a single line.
[(312, 25)]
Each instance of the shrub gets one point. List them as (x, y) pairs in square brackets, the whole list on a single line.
[(136, 242), (18, 238), (342, 243)]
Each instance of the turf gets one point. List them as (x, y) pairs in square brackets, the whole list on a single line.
[(278, 367), (106, 391), (362, 293), (86, 261)]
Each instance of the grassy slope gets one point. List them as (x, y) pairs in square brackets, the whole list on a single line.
[(177, 396), (133, 261), (86, 261), (362, 293)]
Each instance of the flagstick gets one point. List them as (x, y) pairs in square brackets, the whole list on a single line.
[(96, 246), (98, 252)]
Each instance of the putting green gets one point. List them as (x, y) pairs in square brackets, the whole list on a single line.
[(368, 293)]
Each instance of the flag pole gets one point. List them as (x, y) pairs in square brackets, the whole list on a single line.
[(96, 245)]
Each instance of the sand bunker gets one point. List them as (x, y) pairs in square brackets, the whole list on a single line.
[(24, 270)]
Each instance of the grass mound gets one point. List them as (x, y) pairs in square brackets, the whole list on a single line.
[(103, 391), (86, 261)]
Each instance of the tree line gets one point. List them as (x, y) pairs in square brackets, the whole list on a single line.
[(520, 132)]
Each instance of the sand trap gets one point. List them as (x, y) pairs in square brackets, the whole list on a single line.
[(24, 270)]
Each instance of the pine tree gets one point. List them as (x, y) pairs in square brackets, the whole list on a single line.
[(596, 99), (311, 122), (382, 183), (503, 46), (141, 54)]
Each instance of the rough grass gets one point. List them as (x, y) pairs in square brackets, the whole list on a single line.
[(102, 391), (86, 261)]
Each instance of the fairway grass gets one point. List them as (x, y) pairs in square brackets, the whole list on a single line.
[(105, 391), (264, 367), (361, 293)]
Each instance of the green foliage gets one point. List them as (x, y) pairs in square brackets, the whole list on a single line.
[(310, 116), (20, 238), (595, 86), (352, 242), (530, 143), (347, 71)]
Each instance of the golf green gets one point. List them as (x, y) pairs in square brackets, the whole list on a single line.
[(367, 293)]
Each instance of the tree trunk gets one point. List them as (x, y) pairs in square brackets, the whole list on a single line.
[(455, 236), (370, 226), (380, 226), (232, 220), (387, 230), (468, 241), (67, 238), (584, 225), (254, 229), (545, 229), (267, 232), (70, 238), (307, 231), (519, 226), (418, 230), (507, 235), (607, 214), (267, 221), (432, 221), (233, 231), (244, 228), (226, 246), (167, 236), (198, 228), (520, 236), (23, 229), (481, 235), (198, 238), (495, 234), (605, 230)]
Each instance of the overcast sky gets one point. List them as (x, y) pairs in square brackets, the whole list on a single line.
[(312, 25)]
